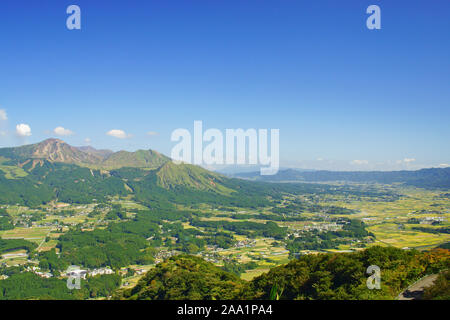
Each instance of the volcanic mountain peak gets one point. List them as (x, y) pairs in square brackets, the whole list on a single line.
[(140, 159), (56, 150), (171, 175)]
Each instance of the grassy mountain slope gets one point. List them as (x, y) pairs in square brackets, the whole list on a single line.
[(188, 185), (148, 159), (172, 175)]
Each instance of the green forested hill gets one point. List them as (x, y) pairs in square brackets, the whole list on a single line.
[(343, 275), (186, 277), (323, 276)]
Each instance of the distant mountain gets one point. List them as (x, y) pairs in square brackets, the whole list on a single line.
[(55, 150), (140, 159), (246, 169), (102, 153), (53, 170), (425, 178)]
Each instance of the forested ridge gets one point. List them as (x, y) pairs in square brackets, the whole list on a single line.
[(340, 276), (424, 178)]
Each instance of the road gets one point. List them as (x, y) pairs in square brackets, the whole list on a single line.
[(415, 291)]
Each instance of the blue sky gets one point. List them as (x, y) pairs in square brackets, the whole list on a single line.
[(337, 91)]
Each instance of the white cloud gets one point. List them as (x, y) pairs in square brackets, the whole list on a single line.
[(23, 130), (3, 115), (444, 165), (88, 141), (60, 131), (152, 133), (120, 134), (406, 160), (359, 162)]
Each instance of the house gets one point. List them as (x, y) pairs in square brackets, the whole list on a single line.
[(76, 272), (101, 271)]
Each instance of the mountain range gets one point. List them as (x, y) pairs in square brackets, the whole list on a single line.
[(54, 170), (55, 150), (424, 178)]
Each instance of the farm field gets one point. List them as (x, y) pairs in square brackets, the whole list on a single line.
[(389, 220), (32, 234)]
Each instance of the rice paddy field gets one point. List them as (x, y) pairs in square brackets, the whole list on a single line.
[(35, 235), (389, 221)]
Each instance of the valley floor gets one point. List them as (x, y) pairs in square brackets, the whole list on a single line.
[(405, 218)]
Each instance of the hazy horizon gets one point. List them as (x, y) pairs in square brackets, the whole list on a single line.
[(234, 169)]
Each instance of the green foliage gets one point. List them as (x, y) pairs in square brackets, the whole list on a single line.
[(324, 276), (8, 245), (50, 261), (25, 191), (440, 290), (116, 213), (140, 159), (316, 240), (29, 286), (153, 194), (119, 245), (102, 285), (221, 239), (100, 248), (73, 184), (275, 293), (342, 276), (445, 245), (268, 229), (432, 230), (5, 221), (239, 268), (186, 277)]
